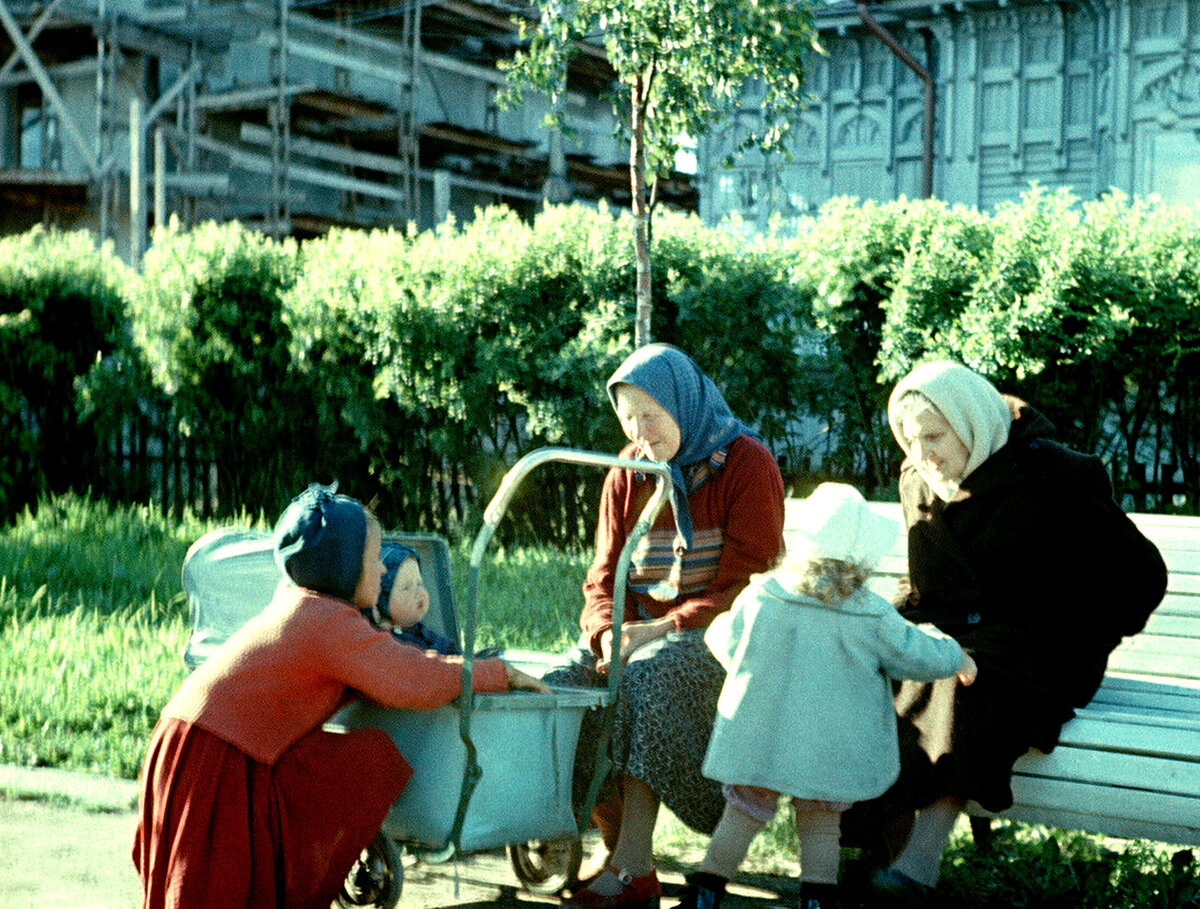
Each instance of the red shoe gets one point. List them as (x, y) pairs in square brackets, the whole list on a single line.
[(636, 893)]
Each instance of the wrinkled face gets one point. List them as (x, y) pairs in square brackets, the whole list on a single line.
[(366, 594), (646, 423), (409, 600), (934, 447)]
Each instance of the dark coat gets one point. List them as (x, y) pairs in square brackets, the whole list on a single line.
[(1039, 574)]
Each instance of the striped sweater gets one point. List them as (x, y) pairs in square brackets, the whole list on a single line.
[(736, 503)]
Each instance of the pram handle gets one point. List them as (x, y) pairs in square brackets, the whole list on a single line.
[(664, 491)]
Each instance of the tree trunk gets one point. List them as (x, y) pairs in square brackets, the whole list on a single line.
[(641, 239)]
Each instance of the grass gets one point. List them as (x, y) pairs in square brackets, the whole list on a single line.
[(93, 624)]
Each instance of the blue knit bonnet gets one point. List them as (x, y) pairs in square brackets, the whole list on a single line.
[(319, 541)]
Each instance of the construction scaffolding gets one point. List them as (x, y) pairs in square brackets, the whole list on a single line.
[(293, 116)]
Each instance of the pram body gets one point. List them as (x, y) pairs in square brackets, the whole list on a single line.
[(489, 771)]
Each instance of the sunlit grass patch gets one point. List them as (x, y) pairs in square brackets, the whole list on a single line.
[(83, 689)]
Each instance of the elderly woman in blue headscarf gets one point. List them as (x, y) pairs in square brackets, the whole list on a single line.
[(686, 570)]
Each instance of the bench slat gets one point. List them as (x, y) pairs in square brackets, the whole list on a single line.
[(1159, 645), (1106, 809), (1184, 605), (1155, 664), (1179, 581), (1166, 624), (1163, 702), (1092, 820), (1120, 682), (1173, 738), (1125, 771)]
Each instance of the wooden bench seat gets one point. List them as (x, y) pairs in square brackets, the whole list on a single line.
[(1128, 765)]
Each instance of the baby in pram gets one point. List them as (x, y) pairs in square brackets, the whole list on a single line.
[(404, 601)]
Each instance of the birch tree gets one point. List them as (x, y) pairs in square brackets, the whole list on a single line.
[(682, 68)]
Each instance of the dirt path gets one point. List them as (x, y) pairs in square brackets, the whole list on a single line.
[(57, 853), (54, 855)]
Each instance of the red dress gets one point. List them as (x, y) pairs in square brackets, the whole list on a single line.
[(219, 828), (245, 799)]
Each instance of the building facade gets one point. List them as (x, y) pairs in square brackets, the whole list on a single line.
[(292, 116), (1085, 94)]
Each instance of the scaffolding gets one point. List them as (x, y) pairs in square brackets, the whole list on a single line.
[(293, 116)]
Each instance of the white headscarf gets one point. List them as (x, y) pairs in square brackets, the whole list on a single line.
[(975, 410)]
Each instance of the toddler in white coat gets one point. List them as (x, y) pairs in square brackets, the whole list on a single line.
[(806, 709)]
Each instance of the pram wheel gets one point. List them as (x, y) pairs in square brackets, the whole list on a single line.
[(376, 879), (547, 866)]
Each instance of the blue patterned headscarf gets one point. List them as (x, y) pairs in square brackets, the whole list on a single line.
[(693, 400)]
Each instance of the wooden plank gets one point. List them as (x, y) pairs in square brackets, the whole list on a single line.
[(1093, 820), (1156, 809), (1116, 681), (1182, 581), (1111, 769), (325, 151), (1172, 625), (1154, 664), (1161, 737), (1164, 701), (1161, 645), (1180, 604), (1179, 714), (305, 175)]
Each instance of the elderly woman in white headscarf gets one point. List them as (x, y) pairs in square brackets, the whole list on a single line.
[(1017, 550)]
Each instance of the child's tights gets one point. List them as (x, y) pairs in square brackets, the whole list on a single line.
[(749, 808)]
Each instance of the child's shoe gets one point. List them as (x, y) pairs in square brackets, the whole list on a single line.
[(893, 888), (818, 896), (636, 893), (703, 891)]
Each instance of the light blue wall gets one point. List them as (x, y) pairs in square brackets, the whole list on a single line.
[(1087, 94)]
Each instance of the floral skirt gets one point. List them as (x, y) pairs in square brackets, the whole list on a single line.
[(663, 720), (218, 828)]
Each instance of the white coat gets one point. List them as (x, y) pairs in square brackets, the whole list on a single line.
[(806, 708)]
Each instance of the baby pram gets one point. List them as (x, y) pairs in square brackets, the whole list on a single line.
[(489, 771)]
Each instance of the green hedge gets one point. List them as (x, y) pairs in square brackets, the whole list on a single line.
[(415, 368), (62, 318)]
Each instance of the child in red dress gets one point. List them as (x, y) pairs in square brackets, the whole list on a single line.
[(245, 799)]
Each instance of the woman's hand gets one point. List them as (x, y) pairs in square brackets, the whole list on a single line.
[(968, 670), (633, 636), (521, 681)]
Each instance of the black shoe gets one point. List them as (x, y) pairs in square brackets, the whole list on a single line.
[(702, 891), (893, 888), (818, 896)]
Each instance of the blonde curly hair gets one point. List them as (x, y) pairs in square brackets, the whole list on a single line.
[(828, 580)]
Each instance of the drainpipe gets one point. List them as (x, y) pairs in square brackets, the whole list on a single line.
[(924, 75)]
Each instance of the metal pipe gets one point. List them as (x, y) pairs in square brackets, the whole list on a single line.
[(137, 192), (664, 492), (160, 178), (864, 13)]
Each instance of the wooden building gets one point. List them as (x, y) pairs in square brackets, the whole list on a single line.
[(1085, 94)]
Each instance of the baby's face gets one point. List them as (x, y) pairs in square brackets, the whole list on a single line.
[(409, 600)]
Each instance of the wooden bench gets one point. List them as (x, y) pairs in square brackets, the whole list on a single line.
[(1128, 765)]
